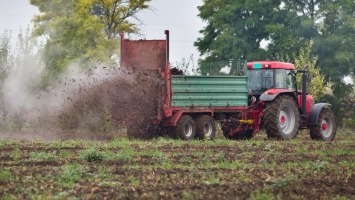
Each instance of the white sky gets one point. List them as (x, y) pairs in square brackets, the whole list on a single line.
[(178, 16)]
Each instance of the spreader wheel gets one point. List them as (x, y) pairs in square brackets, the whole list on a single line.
[(205, 127), (185, 128), (326, 126)]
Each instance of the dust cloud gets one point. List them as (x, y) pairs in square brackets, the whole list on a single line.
[(85, 104)]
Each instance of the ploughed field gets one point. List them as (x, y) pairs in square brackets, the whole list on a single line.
[(164, 168)]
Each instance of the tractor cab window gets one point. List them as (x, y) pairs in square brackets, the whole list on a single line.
[(260, 80)]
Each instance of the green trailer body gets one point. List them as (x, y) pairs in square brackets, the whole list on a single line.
[(209, 91)]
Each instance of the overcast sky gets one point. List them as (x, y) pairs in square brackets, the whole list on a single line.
[(178, 16)]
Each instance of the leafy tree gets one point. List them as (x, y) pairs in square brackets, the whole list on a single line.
[(293, 25), (234, 29), (114, 14), (5, 66), (318, 86), (5, 53), (82, 31), (72, 34), (20, 65), (335, 46), (329, 23)]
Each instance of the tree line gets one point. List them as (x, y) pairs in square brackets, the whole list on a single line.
[(238, 29)]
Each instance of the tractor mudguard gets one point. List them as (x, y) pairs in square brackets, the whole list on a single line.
[(314, 114), (271, 94)]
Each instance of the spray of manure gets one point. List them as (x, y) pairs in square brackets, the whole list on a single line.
[(86, 104)]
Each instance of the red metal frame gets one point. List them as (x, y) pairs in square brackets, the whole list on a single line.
[(177, 112), (249, 119)]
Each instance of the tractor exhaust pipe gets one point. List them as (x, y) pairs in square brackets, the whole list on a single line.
[(304, 92)]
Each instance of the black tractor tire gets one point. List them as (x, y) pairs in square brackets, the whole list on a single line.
[(205, 127), (281, 118), (326, 126), (185, 128)]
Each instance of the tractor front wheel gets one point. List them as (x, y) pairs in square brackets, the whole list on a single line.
[(326, 126), (281, 118)]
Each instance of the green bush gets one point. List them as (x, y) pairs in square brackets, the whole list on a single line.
[(91, 155)]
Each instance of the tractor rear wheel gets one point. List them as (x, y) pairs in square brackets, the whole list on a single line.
[(205, 127), (326, 126), (185, 128), (281, 118)]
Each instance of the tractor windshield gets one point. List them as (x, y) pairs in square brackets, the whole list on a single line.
[(261, 80)]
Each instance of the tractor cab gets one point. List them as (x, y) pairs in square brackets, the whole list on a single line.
[(267, 75)]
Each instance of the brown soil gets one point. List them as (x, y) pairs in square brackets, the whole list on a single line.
[(144, 177)]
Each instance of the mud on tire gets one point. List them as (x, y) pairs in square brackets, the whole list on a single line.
[(281, 118), (205, 127), (326, 126)]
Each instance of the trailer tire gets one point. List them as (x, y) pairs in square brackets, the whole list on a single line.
[(281, 118), (185, 128), (326, 126), (205, 127)]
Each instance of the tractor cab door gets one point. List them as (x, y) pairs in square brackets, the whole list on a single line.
[(285, 79)]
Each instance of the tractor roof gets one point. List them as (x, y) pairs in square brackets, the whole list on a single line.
[(270, 65)]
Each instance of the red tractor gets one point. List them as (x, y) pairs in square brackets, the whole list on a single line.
[(277, 104)]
